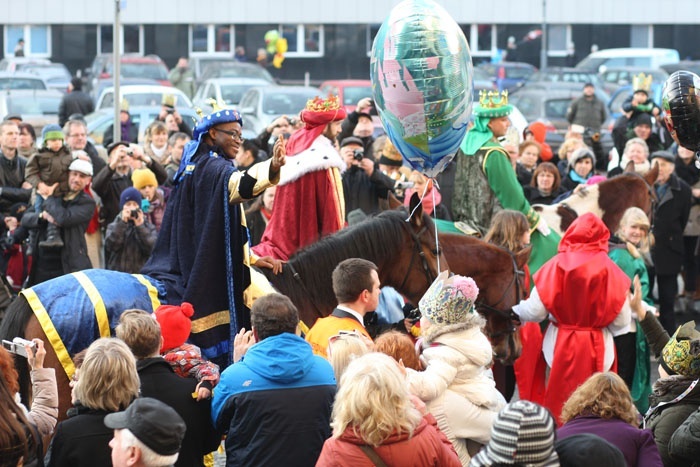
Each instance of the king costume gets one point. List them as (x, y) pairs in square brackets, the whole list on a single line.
[(202, 255), (309, 202)]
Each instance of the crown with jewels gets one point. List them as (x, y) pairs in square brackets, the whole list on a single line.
[(323, 105), (642, 82), (493, 104)]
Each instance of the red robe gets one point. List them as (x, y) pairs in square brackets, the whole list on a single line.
[(309, 202), (584, 290)]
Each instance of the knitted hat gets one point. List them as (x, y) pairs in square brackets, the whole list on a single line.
[(587, 449), (449, 299), (175, 324), (681, 355), (130, 194), (581, 153), (523, 433), (82, 166), (643, 119), (143, 177), (51, 131), (390, 155)]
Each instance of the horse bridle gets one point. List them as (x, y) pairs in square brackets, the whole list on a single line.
[(506, 313), (418, 252)]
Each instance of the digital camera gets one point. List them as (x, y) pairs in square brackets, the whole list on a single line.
[(17, 346), (358, 154)]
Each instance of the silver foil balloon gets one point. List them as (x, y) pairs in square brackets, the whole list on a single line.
[(681, 102), (421, 72)]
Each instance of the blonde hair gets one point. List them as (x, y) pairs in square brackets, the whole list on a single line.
[(141, 332), (507, 230), (603, 395), (108, 378), (373, 401), (152, 129), (343, 350), (569, 144), (635, 216), (398, 346)]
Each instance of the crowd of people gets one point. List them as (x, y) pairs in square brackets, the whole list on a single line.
[(347, 391)]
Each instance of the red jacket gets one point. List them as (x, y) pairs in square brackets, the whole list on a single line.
[(427, 447)]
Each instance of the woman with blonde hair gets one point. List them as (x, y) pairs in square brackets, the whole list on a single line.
[(627, 248), (155, 143), (344, 348), (603, 406), (108, 383), (374, 418), (400, 347)]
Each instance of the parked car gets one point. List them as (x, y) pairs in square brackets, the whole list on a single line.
[(56, 75), (577, 78), (688, 65), (141, 116), (14, 80), (507, 75), (150, 67), (233, 69), (38, 107), (16, 63), (645, 57), (142, 95), (623, 92), (349, 91), (613, 78), (230, 91), (260, 106)]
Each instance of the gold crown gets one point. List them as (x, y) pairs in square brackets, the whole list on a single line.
[(322, 105), (641, 82), (492, 99)]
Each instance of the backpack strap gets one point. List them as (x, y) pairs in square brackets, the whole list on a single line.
[(373, 456)]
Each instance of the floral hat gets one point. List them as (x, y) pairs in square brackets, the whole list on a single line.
[(681, 355), (449, 300)]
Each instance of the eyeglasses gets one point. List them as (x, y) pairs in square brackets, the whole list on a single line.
[(233, 134)]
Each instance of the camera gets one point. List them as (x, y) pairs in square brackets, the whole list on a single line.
[(130, 152), (17, 346), (358, 154), (135, 213), (414, 315)]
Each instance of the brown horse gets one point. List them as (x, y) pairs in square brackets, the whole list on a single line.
[(498, 274), (608, 200)]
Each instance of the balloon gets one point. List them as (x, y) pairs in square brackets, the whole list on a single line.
[(681, 102), (421, 72)]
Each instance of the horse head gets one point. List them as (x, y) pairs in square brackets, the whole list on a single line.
[(627, 190), (420, 260)]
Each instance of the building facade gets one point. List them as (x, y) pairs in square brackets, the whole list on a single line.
[(331, 38)]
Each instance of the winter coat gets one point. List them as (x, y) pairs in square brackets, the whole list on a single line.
[(44, 410), (362, 191), (524, 174), (456, 385), (72, 216), (426, 447), (275, 404), (183, 79), (159, 381), (685, 442), (49, 167), (637, 445), (670, 218), (128, 247), (81, 441), (589, 113), (534, 196), (156, 209), (11, 178), (664, 420), (75, 102)]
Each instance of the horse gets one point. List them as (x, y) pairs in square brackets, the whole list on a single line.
[(608, 200)]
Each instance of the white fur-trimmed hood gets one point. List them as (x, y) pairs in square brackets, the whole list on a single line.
[(321, 155)]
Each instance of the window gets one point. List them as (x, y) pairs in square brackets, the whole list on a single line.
[(641, 36), (37, 40), (482, 40), (303, 40), (558, 40), (372, 30), (211, 39), (131, 39)]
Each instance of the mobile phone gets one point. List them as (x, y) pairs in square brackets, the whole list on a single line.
[(16, 346)]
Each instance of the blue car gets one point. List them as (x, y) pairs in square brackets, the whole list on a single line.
[(508, 75)]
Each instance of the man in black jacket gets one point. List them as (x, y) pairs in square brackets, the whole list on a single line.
[(158, 380), (12, 167), (74, 102)]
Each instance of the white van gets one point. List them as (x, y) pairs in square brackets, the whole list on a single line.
[(648, 58)]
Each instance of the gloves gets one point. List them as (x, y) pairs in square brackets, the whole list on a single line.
[(542, 227)]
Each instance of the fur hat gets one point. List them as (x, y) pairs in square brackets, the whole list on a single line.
[(449, 300), (143, 177), (681, 355), (581, 153), (130, 194), (522, 434), (390, 155), (51, 131), (175, 324)]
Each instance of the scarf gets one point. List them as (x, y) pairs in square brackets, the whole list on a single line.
[(159, 153), (477, 136)]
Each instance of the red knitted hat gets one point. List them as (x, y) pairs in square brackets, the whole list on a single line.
[(175, 324)]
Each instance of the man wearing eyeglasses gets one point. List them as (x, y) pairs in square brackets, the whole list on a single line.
[(201, 254)]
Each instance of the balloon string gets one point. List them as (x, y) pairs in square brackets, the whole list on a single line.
[(420, 203), (437, 242)]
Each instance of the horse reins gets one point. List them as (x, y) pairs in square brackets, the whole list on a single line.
[(418, 252), (297, 277), (509, 313)]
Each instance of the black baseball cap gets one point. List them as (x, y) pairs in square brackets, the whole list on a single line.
[(154, 423), (351, 140)]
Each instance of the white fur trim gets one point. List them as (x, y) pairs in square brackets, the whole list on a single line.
[(321, 155)]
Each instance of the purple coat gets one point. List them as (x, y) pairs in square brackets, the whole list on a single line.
[(637, 445)]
